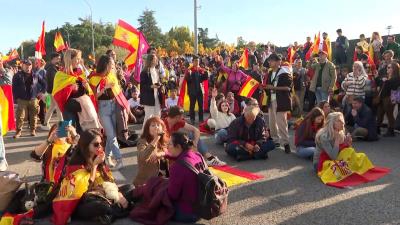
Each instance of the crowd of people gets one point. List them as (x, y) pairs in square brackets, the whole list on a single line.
[(325, 101)]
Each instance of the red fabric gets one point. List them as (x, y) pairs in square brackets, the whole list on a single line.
[(156, 207), (324, 156), (40, 44), (203, 127), (237, 172), (7, 89), (62, 96), (176, 127), (356, 179)]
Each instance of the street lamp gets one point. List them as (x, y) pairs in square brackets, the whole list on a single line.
[(66, 29), (91, 21)]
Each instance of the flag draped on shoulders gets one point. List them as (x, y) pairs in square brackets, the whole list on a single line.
[(98, 83), (63, 86), (56, 162), (6, 109), (349, 169), (183, 100)]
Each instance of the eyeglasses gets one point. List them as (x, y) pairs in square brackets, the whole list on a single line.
[(97, 145)]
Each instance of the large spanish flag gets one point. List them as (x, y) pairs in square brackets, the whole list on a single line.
[(59, 42), (99, 82), (13, 55), (126, 36), (328, 48), (233, 176), (62, 87), (184, 101), (244, 59), (248, 87), (349, 169), (6, 109)]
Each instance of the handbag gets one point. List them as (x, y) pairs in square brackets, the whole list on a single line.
[(9, 183), (395, 96)]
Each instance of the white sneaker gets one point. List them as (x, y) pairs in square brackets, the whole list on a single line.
[(3, 165), (110, 162), (45, 128), (215, 162), (118, 166)]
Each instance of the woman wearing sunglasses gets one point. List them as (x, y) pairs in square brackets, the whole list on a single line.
[(88, 189)]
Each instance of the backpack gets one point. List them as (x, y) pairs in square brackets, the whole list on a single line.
[(212, 197)]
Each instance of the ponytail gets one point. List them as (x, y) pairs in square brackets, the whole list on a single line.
[(182, 140)]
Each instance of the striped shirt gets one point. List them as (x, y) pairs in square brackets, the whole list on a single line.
[(356, 84)]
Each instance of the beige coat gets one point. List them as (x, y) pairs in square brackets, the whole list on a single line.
[(146, 169), (328, 76)]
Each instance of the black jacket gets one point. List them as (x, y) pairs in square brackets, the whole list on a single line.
[(283, 98), (51, 71), (146, 92), (27, 86), (194, 78), (364, 119), (239, 133)]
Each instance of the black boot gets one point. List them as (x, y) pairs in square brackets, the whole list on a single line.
[(389, 133)]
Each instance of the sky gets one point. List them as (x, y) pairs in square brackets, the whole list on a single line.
[(280, 22)]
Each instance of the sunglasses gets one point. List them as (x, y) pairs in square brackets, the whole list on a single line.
[(97, 145)]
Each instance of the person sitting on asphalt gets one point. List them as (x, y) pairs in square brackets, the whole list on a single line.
[(304, 138), (221, 116), (360, 121), (176, 122), (151, 150), (136, 108), (233, 104), (248, 137)]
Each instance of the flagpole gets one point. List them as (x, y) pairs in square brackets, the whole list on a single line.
[(22, 50), (91, 21), (195, 28)]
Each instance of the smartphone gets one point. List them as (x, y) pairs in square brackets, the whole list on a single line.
[(61, 130)]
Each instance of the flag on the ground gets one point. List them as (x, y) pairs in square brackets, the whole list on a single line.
[(59, 42), (184, 101), (244, 59), (6, 109), (249, 87), (11, 56), (233, 176), (143, 46), (40, 49), (100, 82), (127, 37), (62, 87), (349, 169), (15, 219)]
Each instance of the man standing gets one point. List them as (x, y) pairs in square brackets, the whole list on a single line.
[(342, 44), (27, 88), (307, 45), (279, 86), (324, 77), (40, 72), (393, 45), (51, 70), (194, 78)]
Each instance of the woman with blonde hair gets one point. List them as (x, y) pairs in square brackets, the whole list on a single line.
[(376, 43), (330, 137), (73, 94)]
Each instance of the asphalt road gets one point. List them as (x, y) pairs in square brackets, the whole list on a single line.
[(290, 193)]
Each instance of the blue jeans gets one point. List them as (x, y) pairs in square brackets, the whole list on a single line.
[(107, 114), (305, 152), (221, 136), (321, 95), (236, 150), (201, 146), (184, 217)]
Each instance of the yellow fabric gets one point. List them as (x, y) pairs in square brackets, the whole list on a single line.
[(126, 36), (347, 163), (3, 113), (7, 220), (230, 179), (248, 86), (58, 151), (62, 80)]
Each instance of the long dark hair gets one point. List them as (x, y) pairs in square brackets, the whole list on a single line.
[(102, 64), (181, 139), (309, 121), (220, 106), (82, 154), (149, 60), (396, 70)]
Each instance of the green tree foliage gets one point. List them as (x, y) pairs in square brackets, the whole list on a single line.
[(205, 40), (148, 26)]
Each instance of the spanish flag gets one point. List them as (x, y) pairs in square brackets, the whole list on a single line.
[(233, 176), (348, 169), (311, 49), (315, 48), (98, 83), (291, 53), (13, 55), (62, 87), (72, 188), (40, 47), (184, 101), (222, 76), (127, 37), (59, 42), (15, 219), (244, 59), (328, 48), (263, 99), (54, 165), (248, 87), (6, 109)]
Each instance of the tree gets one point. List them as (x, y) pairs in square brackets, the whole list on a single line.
[(180, 34), (148, 26), (205, 40), (241, 43)]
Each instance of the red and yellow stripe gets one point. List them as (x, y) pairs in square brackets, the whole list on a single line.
[(248, 87), (244, 59), (233, 176), (6, 109)]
